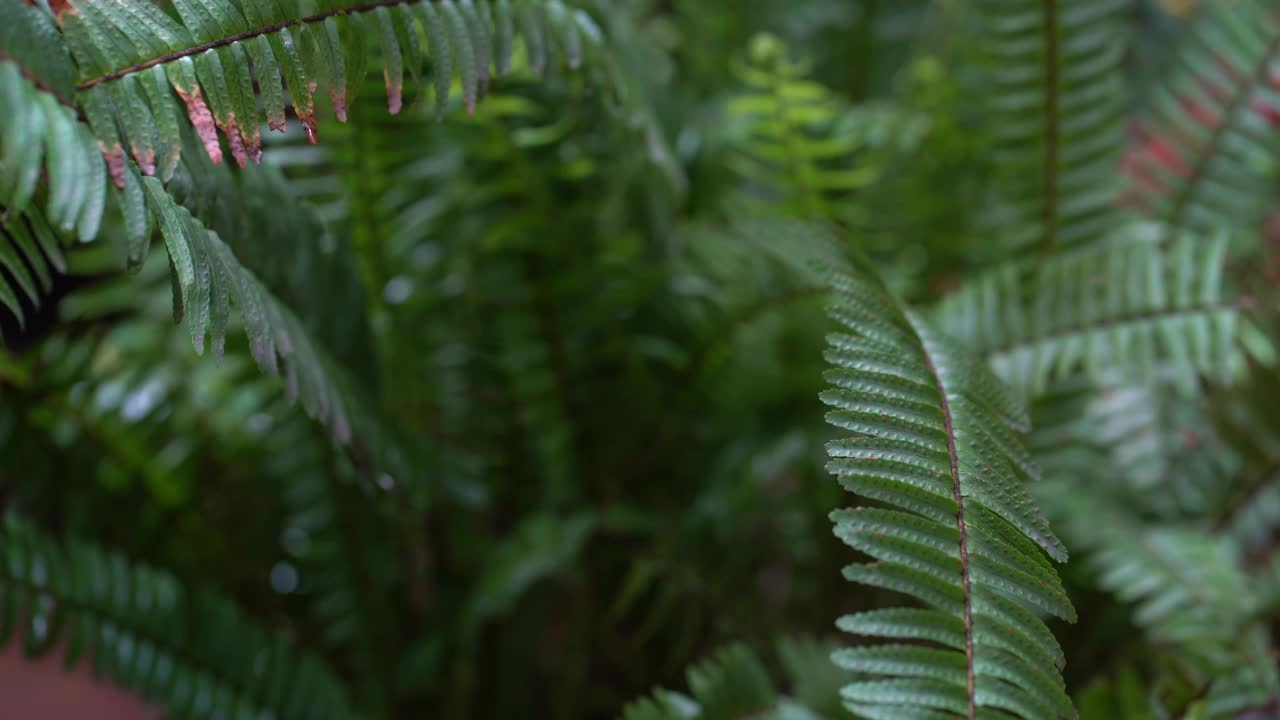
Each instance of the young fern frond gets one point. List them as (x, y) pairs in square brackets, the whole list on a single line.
[(1210, 124), (129, 54), (1057, 112), (195, 652), (936, 445), (794, 140), (1134, 304)]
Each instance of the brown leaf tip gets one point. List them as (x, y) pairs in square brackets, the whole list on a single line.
[(203, 122)]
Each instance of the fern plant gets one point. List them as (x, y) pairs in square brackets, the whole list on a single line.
[(565, 353)]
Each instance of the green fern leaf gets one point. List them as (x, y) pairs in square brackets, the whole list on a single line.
[(935, 439), (1188, 591), (1057, 109), (39, 134), (793, 141), (118, 44), (209, 279), (1134, 305), (195, 652)]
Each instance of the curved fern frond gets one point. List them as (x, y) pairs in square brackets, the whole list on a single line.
[(1133, 304), (193, 651), (1209, 148), (936, 440), (133, 58), (1057, 107), (208, 281)]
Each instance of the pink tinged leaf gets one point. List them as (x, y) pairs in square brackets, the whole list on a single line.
[(146, 160), (202, 119), (236, 142), (308, 121), (395, 97), (339, 99), (115, 164)]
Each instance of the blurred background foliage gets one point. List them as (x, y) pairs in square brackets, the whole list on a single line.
[(601, 412)]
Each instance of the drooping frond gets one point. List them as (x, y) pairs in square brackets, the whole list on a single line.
[(1133, 305), (936, 444), (41, 138), (1208, 143), (223, 58), (208, 281), (733, 683), (1057, 106), (193, 651)]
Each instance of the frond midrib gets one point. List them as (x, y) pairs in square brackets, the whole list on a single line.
[(953, 458), (1052, 140), (240, 37), (1114, 322)]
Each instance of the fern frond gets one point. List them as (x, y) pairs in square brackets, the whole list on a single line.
[(1187, 588), (936, 439), (133, 58), (193, 651), (42, 137), (1208, 149), (208, 280), (1057, 111), (794, 144), (1133, 305)]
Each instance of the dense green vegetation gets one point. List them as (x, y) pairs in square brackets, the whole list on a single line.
[(541, 328)]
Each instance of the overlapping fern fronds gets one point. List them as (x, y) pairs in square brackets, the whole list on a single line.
[(130, 53), (1208, 147), (1057, 109), (192, 651), (1132, 305), (1189, 593), (208, 279), (936, 444)]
